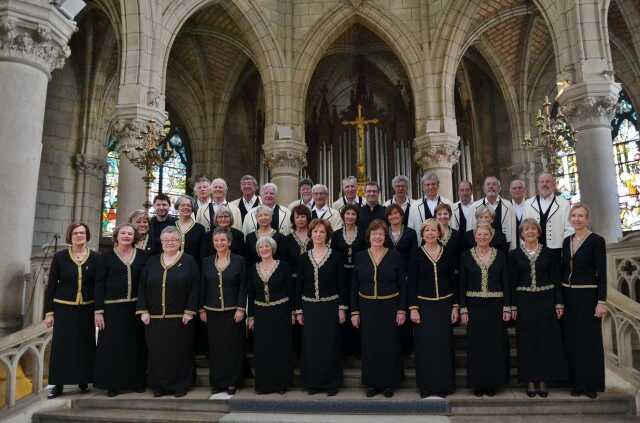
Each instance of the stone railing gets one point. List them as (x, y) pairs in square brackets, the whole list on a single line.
[(621, 325)]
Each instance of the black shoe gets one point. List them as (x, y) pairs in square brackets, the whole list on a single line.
[(576, 392), (312, 391), (441, 394), (283, 391), (112, 393), (84, 388), (332, 392), (531, 390), (157, 394), (543, 392), (55, 392), (591, 394), (231, 390), (490, 392), (371, 392), (180, 394), (424, 394), (388, 392), (478, 392)]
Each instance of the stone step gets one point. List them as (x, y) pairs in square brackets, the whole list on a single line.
[(115, 415)]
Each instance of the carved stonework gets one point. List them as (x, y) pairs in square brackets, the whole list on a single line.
[(284, 157), (437, 151), (89, 165), (356, 4), (33, 43), (590, 111)]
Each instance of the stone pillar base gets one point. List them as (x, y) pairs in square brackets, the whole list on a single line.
[(285, 157)]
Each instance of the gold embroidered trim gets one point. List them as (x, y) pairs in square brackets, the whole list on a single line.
[(320, 299), (271, 303), (220, 308), (534, 288), (378, 297), (122, 300), (76, 302), (435, 267), (301, 243), (446, 237), (264, 277), (221, 270), (435, 298), (166, 316), (397, 239), (164, 279), (375, 270), (142, 244), (128, 266), (183, 233), (533, 257), (574, 250), (484, 270), (484, 294), (79, 264), (316, 269), (566, 285)]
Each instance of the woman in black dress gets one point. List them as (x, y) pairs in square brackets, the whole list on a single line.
[(378, 302), (348, 241), (433, 310), (224, 219), (264, 216), (535, 274), (193, 233), (121, 353), (69, 309), (484, 214), (450, 237), (485, 306), (223, 298), (584, 265), (140, 220), (271, 315), (321, 306), (167, 302)]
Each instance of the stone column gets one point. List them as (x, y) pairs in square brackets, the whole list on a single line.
[(33, 42), (589, 107), (438, 152), (130, 189), (88, 196), (285, 157)]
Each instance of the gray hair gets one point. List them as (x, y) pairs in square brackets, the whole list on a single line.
[(429, 176), (183, 198), (518, 180), (266, 240), (225, 232), (226, 187), (494, 177), (546, 174), (223, 210), (319, 187), (484, 208), (262, 208), (269, 185), (399, 178), (349, 179), (171, 230), (249, 178)]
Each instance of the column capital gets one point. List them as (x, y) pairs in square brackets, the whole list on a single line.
[(590, 104), (284, 154), (36, 34), (129, 122), (437, 150)]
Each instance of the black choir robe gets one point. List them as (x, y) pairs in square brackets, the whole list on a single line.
[(155, 229), (252, 255), (321, 292), (237, 243), (452, 239), (145, 244), (292, 248), (406, 245), (368, 214), (167, 293), (121, 351), (378, 292), (194, 241), (484, 292), (584, 286), (432, 291), (69, 298), (535, 279), (223, 292), (271, 301), (499, 241)]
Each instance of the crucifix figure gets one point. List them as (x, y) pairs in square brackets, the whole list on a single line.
[(361, 123)]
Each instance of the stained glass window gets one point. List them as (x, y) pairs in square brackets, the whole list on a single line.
[(170, 178), (626, 153)]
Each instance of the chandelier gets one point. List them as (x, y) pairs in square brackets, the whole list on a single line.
[(554, 136), (147, 150)]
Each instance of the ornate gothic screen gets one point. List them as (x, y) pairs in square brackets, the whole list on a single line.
[(626, 152)]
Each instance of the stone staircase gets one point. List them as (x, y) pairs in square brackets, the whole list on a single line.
[(349, 406)]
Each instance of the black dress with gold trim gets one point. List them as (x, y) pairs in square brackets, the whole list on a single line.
[(167, 292), (121, 351), (293, 249), (378, 292), (237, 243), (452, 239), (223, 292), (271, 301), (250, 245), (584, 286), (322, 291), (145, 244), (69, 297), (485, 293), (535, 278), (349, 246), (194, 240), (432, 291), (499, 241)]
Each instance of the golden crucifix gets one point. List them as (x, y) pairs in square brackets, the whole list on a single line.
[(361, 123)]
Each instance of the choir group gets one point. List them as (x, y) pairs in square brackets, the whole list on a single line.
[(319, 281)]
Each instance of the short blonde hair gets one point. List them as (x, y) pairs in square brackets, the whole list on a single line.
[(530, 221), (580, 206), (482, 208), (431, 222), (486, 226)]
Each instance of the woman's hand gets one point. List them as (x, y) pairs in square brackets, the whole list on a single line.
[(401, 317), (293, 319), (464, 318), (99, 320), (146, 318), (342, 317), (506, 316), (414, 315), (203, 316), (455, 314), (239, 316), (514, 314), (48, 321), (300, 319), (251, 323), (601, 310), (559, 312), (355, 321), (186, 318)]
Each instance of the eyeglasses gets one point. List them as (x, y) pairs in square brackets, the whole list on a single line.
[(170, 240)]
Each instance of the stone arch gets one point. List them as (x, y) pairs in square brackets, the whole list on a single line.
[(29, 361), (609, 334), (7, 386), (267, 52), (333, 24), (624, 288)]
